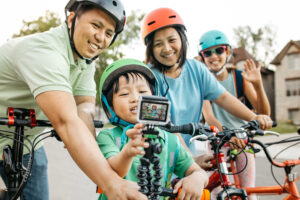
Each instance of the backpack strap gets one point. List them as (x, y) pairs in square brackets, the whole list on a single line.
[(239, 83)]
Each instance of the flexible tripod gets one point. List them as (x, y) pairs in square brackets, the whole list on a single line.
[(149, 182)]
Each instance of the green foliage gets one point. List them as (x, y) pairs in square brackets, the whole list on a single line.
[(260, 44), (42, 24), (115, 52)]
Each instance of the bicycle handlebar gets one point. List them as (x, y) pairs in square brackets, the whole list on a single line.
[(273, 162), (40, 123), (191, 128)]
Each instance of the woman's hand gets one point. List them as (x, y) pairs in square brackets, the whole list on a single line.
[(136, 143)]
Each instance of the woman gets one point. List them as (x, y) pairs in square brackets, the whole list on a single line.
[(186, 82)]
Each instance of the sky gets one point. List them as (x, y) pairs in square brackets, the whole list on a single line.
[(199, 16)]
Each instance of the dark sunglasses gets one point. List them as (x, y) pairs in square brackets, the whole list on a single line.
[(219, 50)]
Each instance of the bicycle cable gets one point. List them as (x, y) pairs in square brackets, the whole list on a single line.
[(29, 164), (217, 161), (244, 153)]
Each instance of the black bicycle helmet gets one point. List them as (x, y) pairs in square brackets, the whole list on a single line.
[(114, 8)]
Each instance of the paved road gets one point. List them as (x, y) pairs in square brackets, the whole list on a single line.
[(67, 182)]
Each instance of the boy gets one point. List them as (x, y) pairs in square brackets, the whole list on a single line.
[(121, 84)]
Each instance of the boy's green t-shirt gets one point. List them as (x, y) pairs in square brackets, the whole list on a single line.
[(110, 144)]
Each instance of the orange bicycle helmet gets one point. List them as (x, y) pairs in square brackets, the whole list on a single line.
[(159, 18)]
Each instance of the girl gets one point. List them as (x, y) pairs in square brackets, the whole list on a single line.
[(215, 51)]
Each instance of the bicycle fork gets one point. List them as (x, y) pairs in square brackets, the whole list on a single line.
[(220, 177)]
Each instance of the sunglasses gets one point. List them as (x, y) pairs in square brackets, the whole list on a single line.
[(219, 50)]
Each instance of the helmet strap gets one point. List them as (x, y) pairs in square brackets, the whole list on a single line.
[(114, 119), (71, 37)]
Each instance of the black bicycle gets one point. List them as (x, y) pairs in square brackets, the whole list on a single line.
[(16, 173)]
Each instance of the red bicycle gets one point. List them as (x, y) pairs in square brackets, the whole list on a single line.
[(233, 190)]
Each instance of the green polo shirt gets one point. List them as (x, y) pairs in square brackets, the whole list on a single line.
[(39, 63), (109, 141)]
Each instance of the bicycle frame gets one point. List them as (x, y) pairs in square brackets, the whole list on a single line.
[(289, 187), (17, 175), (221, 177)]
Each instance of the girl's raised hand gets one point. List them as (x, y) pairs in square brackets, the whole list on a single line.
[(252, 73)]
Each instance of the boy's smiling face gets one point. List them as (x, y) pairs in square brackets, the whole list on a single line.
[(125, 100)]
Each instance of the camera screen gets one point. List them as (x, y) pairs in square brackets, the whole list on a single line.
[(154, 111)]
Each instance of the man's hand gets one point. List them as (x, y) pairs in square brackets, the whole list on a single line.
[(191, 186), (136, 143), (203, 161), (124, 190)]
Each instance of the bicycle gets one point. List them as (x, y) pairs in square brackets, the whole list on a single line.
[(18, 175), (289, 185), (221, 175)]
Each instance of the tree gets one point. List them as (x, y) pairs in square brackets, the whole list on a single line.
[(125, 40), (260, 44), (42, 24)]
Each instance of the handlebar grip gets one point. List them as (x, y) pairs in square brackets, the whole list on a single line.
[(274, 124), (205, 194), (186, 128)]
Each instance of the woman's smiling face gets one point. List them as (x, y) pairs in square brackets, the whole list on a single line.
[(167, 46)]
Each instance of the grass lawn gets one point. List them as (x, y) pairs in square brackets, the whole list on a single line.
[(285, 127)]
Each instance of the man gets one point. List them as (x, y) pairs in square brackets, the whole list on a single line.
[(52, 72)]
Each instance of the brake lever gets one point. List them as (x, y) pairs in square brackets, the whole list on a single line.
[(199, 137), (272, 133)]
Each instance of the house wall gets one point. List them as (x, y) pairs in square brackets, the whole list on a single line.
[(283, 102), (268, 82)]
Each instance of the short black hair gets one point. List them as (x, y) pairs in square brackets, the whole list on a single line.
[(149, 49), (115, 83)]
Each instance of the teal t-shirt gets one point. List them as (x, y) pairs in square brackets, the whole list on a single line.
[(225, 118), (187, 93), (38, 63), (110, 143)]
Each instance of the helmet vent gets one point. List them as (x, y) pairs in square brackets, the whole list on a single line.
[(172, 16), (217, 38), (114, 3), (150, 23)]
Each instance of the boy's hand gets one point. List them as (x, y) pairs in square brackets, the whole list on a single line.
[(191, 186), (252, 73), (136, 143)]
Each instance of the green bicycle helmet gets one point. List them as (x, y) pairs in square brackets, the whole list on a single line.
[(212, 38), (112, 72)]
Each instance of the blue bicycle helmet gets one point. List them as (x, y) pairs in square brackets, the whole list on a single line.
[(212, 38)]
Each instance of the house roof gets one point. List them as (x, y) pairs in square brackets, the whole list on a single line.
[(239, 54), (279, 57)]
